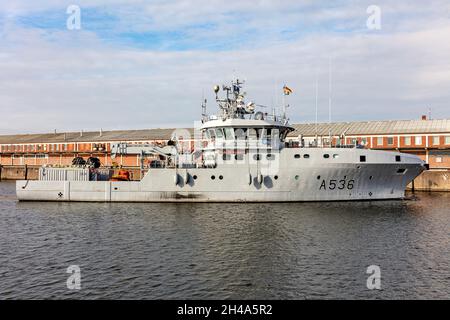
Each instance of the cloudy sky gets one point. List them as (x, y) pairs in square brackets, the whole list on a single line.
[(144, 64)]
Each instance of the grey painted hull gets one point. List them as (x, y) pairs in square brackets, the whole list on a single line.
[(294, 178)]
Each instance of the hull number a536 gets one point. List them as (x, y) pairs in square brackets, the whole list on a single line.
[(335, 184)]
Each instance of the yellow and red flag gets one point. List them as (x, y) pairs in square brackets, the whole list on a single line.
[(287, 91)]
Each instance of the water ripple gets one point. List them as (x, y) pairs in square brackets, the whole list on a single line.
[(225, 251)]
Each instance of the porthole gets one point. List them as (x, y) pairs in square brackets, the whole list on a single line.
[(335, 156), (318, 177), (371, 177), (297, 156), (275, 177), (326, 155), (195, 177), (306, 156), (221, 177), (296, 177), (213, 177)]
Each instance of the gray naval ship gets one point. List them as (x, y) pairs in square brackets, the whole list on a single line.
[(241, 155)]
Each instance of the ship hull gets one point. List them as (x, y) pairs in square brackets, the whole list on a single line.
[(320, 180)]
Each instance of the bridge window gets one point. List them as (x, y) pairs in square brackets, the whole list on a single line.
[(219, 133), (240, 133), (211, 134), (252, 134), (229, 134), (226, 157), (239, 156), (270, 156), (257, 157)]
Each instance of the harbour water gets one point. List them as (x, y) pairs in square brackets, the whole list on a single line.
[(225, 251)]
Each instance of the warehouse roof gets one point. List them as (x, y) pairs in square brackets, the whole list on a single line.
[(307, 129), (373, 127), (92, 136)]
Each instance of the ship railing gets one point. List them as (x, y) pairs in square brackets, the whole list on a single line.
[(296, 144)]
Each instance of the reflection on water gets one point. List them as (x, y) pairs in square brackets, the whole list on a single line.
[(248, 251)]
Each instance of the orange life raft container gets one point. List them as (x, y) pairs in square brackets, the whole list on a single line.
[(122, 175)]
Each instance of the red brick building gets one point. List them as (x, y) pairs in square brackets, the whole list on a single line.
[(430, 139)]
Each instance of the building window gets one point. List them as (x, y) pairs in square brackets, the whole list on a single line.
[(390, 141), (436, 140), (407, 141), (438, 159), (447, 140), (380, 141), (418, 140)]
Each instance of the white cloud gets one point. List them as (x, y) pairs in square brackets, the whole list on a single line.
[(74, 80)]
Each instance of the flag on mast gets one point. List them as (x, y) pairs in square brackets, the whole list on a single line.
[(287, 91)]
